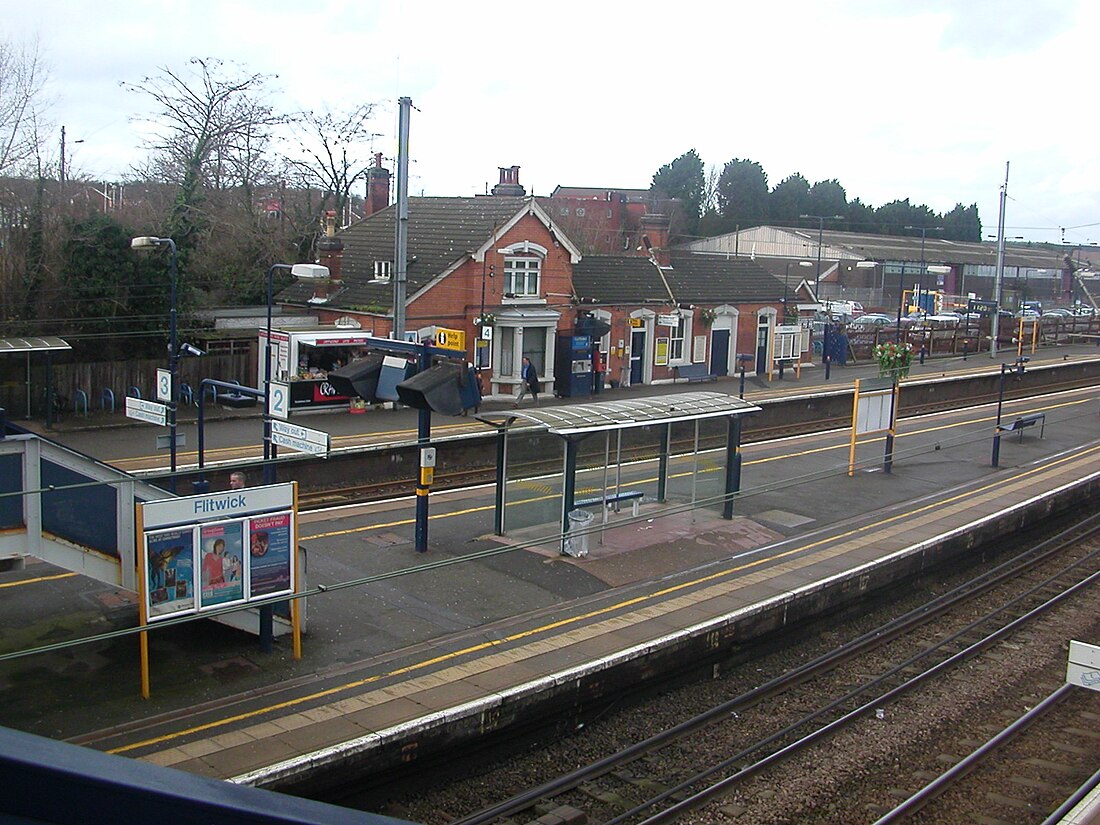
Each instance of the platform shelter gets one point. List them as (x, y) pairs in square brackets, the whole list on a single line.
[(672, 450)]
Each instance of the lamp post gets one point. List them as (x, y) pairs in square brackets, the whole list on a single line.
[(817, 282), (786, 276), (924, 230), (1018, 370), (307, 272), (148, 242), (901, 299)]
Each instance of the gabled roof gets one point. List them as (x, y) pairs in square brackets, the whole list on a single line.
[(691, 278), (443, 232)]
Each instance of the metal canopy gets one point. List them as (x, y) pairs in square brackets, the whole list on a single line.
[(47, 344), (578, 419)]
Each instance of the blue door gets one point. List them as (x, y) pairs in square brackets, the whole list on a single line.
[(719, 351), (637, 353)]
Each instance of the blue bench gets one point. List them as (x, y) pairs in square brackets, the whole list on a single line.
[(633, 496), (695, 372), (1025, 421)]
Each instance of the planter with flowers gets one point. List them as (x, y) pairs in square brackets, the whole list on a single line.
[(486, 320), (707, 316), (894, 360)]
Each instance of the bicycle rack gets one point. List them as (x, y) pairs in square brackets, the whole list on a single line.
[(107, 397), (80, 402), (134, 392)]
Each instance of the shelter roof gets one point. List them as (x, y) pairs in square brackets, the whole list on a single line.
[(48, 343), (584, 419)]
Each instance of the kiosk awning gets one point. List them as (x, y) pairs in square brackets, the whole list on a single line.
[(47, 344), (577, 419)]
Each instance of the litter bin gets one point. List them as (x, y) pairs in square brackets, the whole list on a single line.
[(576, 538)]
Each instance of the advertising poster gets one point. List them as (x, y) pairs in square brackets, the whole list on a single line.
[(269, 555), (222, 563), (170, 567)]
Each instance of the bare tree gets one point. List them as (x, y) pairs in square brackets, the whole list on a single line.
[(212, 129), (333, 154), (22, 104)]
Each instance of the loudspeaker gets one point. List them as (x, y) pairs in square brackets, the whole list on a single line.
[(359, 378), (436, 388)]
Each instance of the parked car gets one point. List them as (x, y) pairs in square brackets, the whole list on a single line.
[(872, 319)]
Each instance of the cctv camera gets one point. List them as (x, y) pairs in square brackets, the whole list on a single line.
[(189, 349)]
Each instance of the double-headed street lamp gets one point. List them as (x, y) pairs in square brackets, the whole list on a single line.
[(148, 242), (820, 236)]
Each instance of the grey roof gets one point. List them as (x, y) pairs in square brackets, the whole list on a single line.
[(936, 250), (577, 419), (692, 278), (442, 231)]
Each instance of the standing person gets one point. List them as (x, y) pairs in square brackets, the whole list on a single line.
[(237, 480), (530, 381)]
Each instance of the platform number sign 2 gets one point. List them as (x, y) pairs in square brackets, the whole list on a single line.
[(164, 385), (279, 400)]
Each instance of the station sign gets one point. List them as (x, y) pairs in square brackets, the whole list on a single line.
[(302, 439), (668, 320), (151, 412)]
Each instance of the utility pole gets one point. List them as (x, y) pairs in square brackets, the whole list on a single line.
[(994, 326), (401, 242)]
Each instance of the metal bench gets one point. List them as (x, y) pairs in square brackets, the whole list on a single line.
[(633, 496), (1024, 421), (693, 373)]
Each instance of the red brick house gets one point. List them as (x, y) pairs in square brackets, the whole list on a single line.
[(503, 261)]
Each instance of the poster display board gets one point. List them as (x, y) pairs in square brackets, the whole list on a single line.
[(214, 551), (217, 549)]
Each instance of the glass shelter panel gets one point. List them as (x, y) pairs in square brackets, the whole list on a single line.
[(697, 463), (534, 489)]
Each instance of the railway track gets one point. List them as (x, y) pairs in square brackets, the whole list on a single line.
[(744, 758)]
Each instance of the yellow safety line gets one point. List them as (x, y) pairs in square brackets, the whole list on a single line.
[(240, 717), (38, 579)]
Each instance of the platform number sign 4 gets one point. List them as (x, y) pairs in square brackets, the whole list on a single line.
[(279, 400), (164, 385)]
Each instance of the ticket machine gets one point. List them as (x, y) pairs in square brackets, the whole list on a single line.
[(573, 366)]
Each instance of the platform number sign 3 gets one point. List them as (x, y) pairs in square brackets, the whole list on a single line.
[(164, 385)]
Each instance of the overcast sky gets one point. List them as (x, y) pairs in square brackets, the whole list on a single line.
[(926, 100)]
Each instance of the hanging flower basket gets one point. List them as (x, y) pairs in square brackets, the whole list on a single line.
[(707, 316), (894, 360), (486, 320)]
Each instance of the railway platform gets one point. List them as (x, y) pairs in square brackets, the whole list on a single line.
[(410, 653)]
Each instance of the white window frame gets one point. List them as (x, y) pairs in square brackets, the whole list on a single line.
[(523, 276), (677, 335)]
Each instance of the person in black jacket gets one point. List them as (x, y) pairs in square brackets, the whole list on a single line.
[(530, 382)]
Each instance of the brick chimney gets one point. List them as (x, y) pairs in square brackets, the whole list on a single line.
[(378, 187), (509, 183), (655, 237), (330, 253)]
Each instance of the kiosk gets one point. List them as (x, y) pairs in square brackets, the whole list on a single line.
[(303, 357)]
